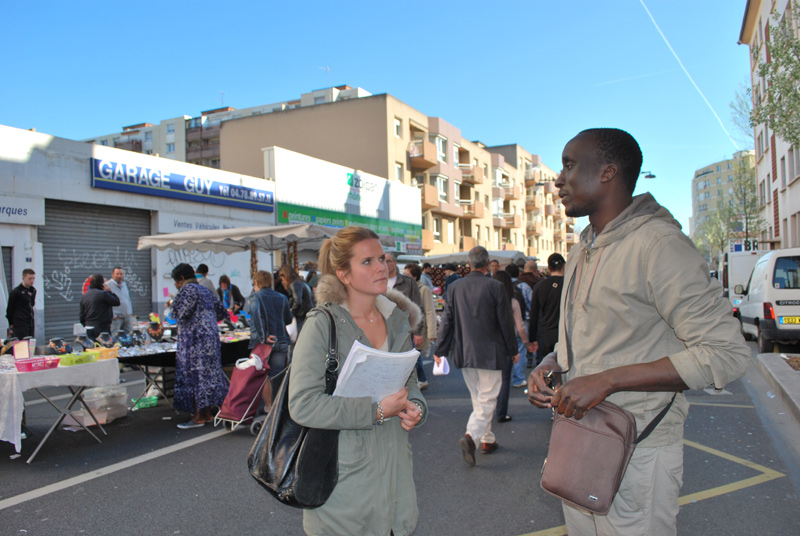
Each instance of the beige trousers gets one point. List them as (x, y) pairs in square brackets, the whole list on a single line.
[(484, 386)]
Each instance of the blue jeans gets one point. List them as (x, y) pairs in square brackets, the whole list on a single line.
[(518, 374)]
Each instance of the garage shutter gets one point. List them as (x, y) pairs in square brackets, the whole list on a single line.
[(79, 240)]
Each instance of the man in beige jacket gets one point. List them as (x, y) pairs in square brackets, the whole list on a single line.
[(640, 320)]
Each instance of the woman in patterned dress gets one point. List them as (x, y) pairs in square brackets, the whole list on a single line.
[(200, 383)]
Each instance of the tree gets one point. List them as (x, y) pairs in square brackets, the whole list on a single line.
[(780, 109), (741, 111), (714, 233), (745, 220)]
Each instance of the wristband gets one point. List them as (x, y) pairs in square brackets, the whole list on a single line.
[(381, 420)]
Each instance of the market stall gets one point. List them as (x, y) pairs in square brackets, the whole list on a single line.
[(76, 378)]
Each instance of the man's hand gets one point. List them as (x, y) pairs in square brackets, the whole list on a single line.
[(579, 395), (437, 359), (540, 394), (516, 359), (418, 340), (532, 346)]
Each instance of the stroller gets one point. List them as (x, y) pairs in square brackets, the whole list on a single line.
[(250, 376)]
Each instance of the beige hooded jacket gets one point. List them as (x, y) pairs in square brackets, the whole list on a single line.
[(641, 292)]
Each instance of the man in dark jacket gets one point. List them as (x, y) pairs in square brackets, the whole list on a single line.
[(477, 334), (20, 309), (545, 308), (97, 307)]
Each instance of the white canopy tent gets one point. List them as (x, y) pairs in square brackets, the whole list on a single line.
[(234, 240), (504, 256)]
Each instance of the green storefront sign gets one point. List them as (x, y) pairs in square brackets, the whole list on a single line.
[(408, 237)]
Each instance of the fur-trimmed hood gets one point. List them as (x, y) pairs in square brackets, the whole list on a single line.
[(331, 290)]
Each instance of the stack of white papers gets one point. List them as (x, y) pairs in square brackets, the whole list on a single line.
[(373, 373)]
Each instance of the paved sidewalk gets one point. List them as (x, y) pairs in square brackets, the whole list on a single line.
[(783, 379)]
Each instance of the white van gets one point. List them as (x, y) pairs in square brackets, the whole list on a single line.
[(770, 306)]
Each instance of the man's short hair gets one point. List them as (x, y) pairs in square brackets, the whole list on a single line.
[(263, 278), (494, 261), (416, 271), (530, 266), (615, 146), (202, 269), (478, 257), (512, 270), (117, 268), (426, 265), (449, 266), (28, 271)]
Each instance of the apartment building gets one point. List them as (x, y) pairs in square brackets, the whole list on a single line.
[(471, 194), (777, 162), (712, 185)]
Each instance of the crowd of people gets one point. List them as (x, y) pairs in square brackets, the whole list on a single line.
[(631, 317)]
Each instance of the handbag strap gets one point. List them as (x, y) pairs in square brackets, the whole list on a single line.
[(332, 354), (652, 426)]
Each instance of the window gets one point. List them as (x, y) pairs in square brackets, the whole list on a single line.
[(398, 172), (441, 148), (719, 168), (398, 128), (170, 128), (486, 176), (719, 180), (437, 229), (443, 184), (148, 136), (319, 100), (170, 148), (783, 172), (477, 233), (455, 154), (104, 142), (729, 165)]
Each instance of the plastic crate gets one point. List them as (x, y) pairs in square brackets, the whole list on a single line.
[(30, 364), (67, 360)]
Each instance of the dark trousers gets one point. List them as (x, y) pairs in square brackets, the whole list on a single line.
[(505, 391)]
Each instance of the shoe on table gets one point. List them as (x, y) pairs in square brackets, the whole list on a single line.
[(468, 449), (488, 448), (423, 386), (191, 424)]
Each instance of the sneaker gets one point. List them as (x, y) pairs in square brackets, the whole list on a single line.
[(504, 418), (423, 386), (467, 449), (190, 424), (520, 384), (23, 435)]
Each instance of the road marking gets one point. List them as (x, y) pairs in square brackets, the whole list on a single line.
[(766, 475), (721, 405), (86, 477)]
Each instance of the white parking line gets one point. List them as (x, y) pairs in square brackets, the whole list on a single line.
[(86, 477)]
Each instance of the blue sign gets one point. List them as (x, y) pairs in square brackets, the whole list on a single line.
[(148, 181)]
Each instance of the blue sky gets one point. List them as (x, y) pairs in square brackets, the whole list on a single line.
[(533, 73)]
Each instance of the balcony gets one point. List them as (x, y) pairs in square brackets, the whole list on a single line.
[(550, 187), (194, 153), (467, 243), (422, 155), (507, 221), (211, 133), (498, 192), (550, 210), (513, 192), (531, 177), (572, 238), (533, 204), (532, 251), (211, 151), (194, 134), (560, 235), (129, 145), (471, 174), (472, 209), (449, 209), (429, 196), (534, 228), (427, 240)]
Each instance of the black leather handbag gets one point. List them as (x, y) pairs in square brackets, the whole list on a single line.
[(298, 465)]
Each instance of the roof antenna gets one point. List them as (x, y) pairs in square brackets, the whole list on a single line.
[(222, 98), (327, 69)]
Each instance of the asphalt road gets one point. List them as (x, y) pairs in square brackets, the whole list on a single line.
[(742, 454)]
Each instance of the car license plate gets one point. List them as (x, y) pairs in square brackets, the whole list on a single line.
[(790, 320)]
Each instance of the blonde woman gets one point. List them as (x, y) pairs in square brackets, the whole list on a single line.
[(375, 493)]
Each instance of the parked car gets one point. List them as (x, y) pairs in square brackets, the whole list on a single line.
[(770, 306)]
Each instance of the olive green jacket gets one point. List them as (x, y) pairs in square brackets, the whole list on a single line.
[(375, 494)]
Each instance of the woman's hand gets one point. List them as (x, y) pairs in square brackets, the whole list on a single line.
[(410, 416), (393, 404)]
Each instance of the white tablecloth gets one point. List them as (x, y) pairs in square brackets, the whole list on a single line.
[(13, 384)]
